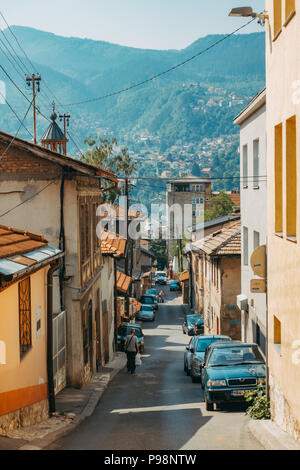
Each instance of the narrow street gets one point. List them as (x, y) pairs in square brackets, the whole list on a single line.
[(160, 408)]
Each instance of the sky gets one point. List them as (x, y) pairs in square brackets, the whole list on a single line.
[(149, 24)]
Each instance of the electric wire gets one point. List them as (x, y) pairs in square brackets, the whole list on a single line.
[(27, 200), (14, 112), (16, 135), (165, 72)]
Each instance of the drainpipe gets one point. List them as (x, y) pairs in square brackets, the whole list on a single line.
[(62, 240), (53, 267)]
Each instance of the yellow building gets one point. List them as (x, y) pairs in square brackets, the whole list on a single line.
[(27, 264), (283, 156)]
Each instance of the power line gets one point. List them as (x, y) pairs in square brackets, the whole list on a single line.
[(11, 108), (188, 178), (154, 77), (27, 200)]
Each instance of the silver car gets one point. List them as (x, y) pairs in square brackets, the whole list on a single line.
[(188, 355)]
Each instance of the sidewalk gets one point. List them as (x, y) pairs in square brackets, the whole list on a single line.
[(271, 436), (72, 407)]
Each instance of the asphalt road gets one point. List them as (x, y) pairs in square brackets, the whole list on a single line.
[(160, 408)]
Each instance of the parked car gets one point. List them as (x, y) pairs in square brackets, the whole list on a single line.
[(149, 300), (175, 286), (189, 324), (146, 313), (188, 356), (198, 353), (124, 330), (199, 327), (152, 292), (231, 370)]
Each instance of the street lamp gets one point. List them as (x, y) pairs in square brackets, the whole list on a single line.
[(248, 11)]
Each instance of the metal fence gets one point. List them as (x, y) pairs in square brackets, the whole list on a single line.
[(59, 352)]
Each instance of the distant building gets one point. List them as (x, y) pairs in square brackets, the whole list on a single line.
[(216, 271), (192, 192)]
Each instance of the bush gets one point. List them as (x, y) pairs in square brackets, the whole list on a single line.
[(260, 406)]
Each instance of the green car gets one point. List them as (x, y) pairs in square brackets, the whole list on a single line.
[(230, 370)]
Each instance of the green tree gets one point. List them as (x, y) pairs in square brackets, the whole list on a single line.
[(101, 153), (220, 205)]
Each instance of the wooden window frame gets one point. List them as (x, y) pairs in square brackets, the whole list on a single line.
[(25, 316)]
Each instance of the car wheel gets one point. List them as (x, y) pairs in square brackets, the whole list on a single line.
[(209, 406), (194, 380), (188, 372), (184, 367)]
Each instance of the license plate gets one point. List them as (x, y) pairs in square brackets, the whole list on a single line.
[(239, 393)]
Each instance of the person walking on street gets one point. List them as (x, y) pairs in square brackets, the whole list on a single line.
[(161, 297), (131, 349)]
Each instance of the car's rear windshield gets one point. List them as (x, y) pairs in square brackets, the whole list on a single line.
[(193, 318), (126, 331), (147, 300), (203, 343), (235, 355)]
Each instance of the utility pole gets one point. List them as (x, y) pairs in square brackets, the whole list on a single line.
[(66, 118), (32, 81)]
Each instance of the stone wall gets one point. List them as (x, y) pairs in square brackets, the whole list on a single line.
[(25, 417), (281, 411)]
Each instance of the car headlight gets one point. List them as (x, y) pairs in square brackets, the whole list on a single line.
[(216, 383), (261, 380)]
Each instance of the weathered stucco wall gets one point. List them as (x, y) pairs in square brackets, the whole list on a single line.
[(283, 73)]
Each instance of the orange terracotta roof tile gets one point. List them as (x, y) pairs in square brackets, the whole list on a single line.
[(16, 242), (123, 282), (226, 241), (112, 244)]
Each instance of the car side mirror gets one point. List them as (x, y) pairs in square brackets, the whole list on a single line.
[(192, 350), (187, 348)]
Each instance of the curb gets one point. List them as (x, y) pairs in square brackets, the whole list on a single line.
[(271, 436), (40, 444)]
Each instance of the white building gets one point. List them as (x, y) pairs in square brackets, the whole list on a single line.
[(252, 122)]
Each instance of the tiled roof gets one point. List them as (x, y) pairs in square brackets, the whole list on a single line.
[(20, 252), (112, 244), (17, 242), (185, 276), (226, 241), (123, 282)]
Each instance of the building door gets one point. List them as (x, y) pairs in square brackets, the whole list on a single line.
[(90, 334), (105, 329), (98, 332)]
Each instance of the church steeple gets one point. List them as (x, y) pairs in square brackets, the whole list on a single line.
[(54, 139)]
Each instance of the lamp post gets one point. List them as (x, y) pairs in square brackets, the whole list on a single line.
[(248, 12)]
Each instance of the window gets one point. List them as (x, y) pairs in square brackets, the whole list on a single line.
[(277, 9), (245, 246), (278, 179), (25, 316), (291, 179), (277, 332), (256, 164), (256, 240), (289, 8), (245, 166)]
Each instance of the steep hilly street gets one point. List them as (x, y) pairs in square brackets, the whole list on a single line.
[(160, 408)]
